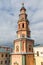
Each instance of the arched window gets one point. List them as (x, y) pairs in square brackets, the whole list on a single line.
[(29, 47), (1, 62), (23, 46), (23, 35), (23, 25), (17, 48), (6, 55), (5, 61), (37, 53), (2, 55)]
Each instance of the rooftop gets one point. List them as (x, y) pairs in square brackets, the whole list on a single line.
[(38, 45), (5, 49)]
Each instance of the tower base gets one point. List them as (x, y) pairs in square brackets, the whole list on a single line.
[(22, 59)]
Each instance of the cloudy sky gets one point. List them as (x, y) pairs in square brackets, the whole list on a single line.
[(9, 12)]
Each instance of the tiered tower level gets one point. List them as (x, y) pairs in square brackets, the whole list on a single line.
[(23, 45)]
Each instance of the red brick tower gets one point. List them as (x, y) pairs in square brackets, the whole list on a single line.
[(23, 45)]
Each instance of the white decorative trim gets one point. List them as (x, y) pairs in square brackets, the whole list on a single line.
[(23, 53)]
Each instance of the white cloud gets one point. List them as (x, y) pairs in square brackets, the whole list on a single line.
[(38, 16), (37, 32)]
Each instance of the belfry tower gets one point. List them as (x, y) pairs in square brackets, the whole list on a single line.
[(23, 45)]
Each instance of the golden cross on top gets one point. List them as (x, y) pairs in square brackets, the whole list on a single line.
[(23, 4)]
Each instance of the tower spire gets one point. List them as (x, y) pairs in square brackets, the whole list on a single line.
[(22, 4), (23, 8)]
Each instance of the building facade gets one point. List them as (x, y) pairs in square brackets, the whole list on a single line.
[(38, 55), (23, 45), (5, 55)]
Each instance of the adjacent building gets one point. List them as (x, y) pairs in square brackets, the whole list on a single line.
[(5, 55), (38, 54), (23, 45)]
